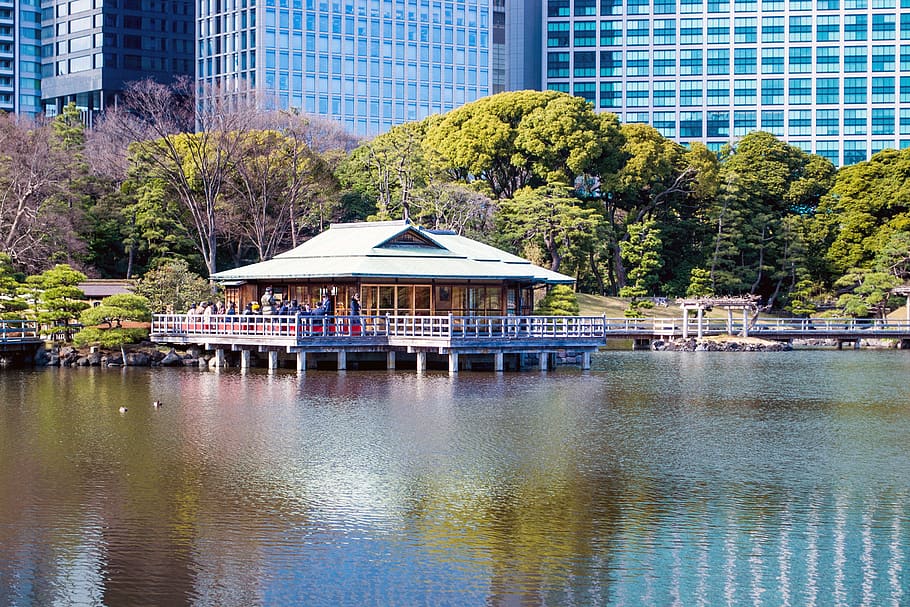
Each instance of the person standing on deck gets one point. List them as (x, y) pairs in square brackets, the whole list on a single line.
[(267, 302), (355, 310)]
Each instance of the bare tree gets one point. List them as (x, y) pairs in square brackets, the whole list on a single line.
[(190, 146)]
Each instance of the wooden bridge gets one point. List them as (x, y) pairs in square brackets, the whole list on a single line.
[(19, 340), (496, 336)]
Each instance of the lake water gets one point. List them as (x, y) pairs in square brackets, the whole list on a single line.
[(653, 479)]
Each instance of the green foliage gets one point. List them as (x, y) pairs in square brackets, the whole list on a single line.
[(641, 252), (12, 304), (110, 338), (559, 301), (116, 309), (699, 283), (870, 292), (173, 287), (58, 298), (801, 301)]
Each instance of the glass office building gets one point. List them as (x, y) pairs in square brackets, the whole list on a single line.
[(829, 76), (20, 56), (369, 64)]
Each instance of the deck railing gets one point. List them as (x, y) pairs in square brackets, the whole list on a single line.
[(13, 331)]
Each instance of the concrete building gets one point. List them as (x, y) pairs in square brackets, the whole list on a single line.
[(829, 76)]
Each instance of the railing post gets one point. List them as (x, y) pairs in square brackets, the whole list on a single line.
[(450, 331)]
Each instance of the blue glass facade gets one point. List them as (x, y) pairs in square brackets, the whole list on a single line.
[(20, 56), (369, 64), (829, 76)]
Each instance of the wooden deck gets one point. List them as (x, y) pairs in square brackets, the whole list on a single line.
[(19, 339)]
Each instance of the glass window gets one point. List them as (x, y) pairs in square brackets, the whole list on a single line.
[(772, 91), (829, 150), (905, 58), (828, 28), (586, 90), (584, 8), (718, 31), (772, 61), (883, 59), (691, 6), (718, 61), (638, 32), (827, 59), (585, 64), (585, 33), (637, 94), (557, 8), (827, 91), (558, 34), (800, 29), (883, 89), (637, 63), (665, 31), (883, 121), (856, 27), (855, 90), (610, 33), (690, 31), (744, 122), (690, 93), (664, 63), (800, 5), (905, 89), (664, 7), (718, 92), (827, 122), (744, 92), (611, 63), (855, 59), (772, 121), (718, 124), (800, 122), (905, 121), (610, 94), (691, 63), (828, 5), (744, 61), (610, 7), (690, 124), (905, 26), (633, 117), (664, 94), (718, 6), (855, 122), (883, 27), (557, 65), (881, 144), (638, 7), (745, 30), (772, 29), (665, 123), (800, 91), (800, 60), (854, 151), (772, 6)]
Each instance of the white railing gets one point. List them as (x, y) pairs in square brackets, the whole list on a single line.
[(13, 331)]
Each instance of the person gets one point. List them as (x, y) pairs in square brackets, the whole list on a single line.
[(231, 311), (355, 310), (283, 310), (268, 301), (293, 309), (248, 310)]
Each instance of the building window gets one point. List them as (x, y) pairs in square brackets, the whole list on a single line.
[(690, 31), (664, 63), (637, 94), (855, 59), (772, 91), (688, 7), (883, 27), (637, 63), (665, 123), (558, 34), (883, 59), (718, 61), (610, 94), (800, 5), (854, 151), (829, 150), (718, 92), (772, 6), (772, 29), (557, 65), (718, 6), (856, 27), (905, 89), (828, 28), (883, 121), (585, 33), (800, 122), (610, 7), (827, 122), (883, 89), (585, 64), (665, 31), (800, 29), (636, 117), (855, 90), (557, 8), (800, 91), (664, 94), (718, 124), (905, 121), (772, 61), (637, 7), (800, 60), (584, 8), (827, 59), (745, 30), (611, 33), (638, 32), (827, 91), (744, 61), (586, 90), (829, 5), (691, 63), (772, 121), (743, 122), (664, 7), (690, 93), (855, 122), (718, 31), (611, 63), (690, 125), (905, 26), (905, 58), (744, 92)]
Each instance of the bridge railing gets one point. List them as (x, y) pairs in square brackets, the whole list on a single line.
[(12, 331)]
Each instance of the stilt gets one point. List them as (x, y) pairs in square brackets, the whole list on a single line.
[(301, 362), (544, 358), (244, 359), (219, 358), (273, 360), (685, 327), (390, 360), (497, 362), (585, 361), (421, 362), (342, 360), (745, 322), (453, 363), (701, 316)]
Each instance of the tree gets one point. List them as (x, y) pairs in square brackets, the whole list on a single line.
[(561, 300), (58, 299), (699, 283), (113, 312), (641, 251), (12, 304), (172, 287), (549, 215)]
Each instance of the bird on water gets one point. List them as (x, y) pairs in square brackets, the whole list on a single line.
[(123, 409), (156, 404)]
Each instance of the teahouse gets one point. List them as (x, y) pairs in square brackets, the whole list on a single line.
[(397, 268)]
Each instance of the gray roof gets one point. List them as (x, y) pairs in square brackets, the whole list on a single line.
[(390, 249)]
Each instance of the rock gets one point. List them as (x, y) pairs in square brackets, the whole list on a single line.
[(138, 359), (41, 357), (171, 359)]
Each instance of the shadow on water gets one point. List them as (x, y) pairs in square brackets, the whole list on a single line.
[(654, 478)]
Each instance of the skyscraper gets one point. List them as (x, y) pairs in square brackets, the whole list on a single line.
[(370, 64), (20, 57), (828, 76), (92, 48)]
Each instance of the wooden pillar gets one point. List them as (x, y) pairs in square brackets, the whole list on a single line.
[(497, 362), (421, 362), (729, 321), (273, 360), (745, 322), (453, 363), (342, 360), (219, 358), (544, 359), (301, 362), (701, 316), (585, 361), (244, 359), (390, 360), (685, 327)]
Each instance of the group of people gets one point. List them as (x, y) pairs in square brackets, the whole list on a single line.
[(268, 305), (213, 308)]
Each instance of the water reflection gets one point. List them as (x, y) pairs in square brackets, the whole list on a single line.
[(652, 480)]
